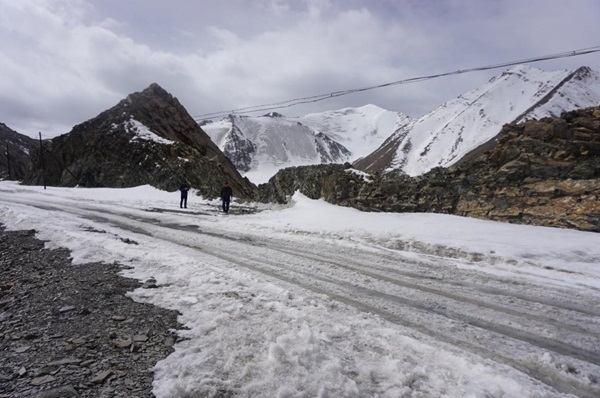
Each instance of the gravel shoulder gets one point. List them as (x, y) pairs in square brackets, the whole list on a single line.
[(70, 330)]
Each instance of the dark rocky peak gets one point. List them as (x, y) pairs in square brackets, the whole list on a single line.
[(151, 96), (147, 138), (155, 110), (583, 73), (273, 114), (15, 151), (9, 135), (155, 90)]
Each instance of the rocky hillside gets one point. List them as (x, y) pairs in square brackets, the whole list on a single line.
[(544, 172), (15, 150), (147, 138)]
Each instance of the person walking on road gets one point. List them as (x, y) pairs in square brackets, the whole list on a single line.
[(226, 194), (184, 188)]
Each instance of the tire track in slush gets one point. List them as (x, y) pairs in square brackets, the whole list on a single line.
[(310, 282), (382, 275), (307, 282), (555, 301)]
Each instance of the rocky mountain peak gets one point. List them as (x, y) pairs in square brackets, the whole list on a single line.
[(147, 138), (583, 72), (15, 150), (274, 114), (156, 89), (153, 90)]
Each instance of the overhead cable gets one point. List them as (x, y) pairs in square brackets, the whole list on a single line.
[(321, 97)]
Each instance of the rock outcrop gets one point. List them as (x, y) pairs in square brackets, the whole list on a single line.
[(544, 172), (147, 138), (15, 150)]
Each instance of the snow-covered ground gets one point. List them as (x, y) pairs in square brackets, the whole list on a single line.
[(314, 300)]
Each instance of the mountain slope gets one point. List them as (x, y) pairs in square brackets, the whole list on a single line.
[(459, 126), (361, 130), (19, 149), (147, 138), (259, 146)]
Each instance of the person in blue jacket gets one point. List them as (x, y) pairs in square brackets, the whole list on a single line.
[(226, 194), (183, 188)]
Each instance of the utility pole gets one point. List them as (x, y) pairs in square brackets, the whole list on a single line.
[(42, 161), (8, 162)]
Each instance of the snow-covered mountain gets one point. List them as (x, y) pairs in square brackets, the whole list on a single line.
[(260, 146), (444, 136), (361, 130)]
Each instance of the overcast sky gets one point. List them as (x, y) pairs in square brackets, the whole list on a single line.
[(64, 61)]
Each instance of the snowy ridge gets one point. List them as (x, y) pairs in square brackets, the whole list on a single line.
[(260, 146), (444, 136), (580, 91), (361, 130)]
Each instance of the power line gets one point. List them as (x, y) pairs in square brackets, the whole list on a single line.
[(321, 97)]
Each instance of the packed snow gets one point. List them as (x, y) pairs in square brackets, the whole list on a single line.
[(314, 300)]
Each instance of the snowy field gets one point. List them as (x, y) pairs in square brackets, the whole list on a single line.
[(314, 300)]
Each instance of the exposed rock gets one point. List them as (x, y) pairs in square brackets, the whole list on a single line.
[(47, 353), (17, 156), (147, 138), (544, 172), (59, 392), (101, 377)]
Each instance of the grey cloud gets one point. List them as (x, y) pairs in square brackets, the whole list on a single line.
[(65, 61)]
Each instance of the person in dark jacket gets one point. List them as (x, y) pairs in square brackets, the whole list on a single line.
[(184, 188), (226, 194)]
